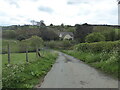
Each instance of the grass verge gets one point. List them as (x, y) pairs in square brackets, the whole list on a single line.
[(20, 74), (107, 62)]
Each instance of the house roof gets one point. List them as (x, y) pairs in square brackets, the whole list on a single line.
[(66, 33)]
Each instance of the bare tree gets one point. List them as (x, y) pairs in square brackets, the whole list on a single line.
[(33, 22)]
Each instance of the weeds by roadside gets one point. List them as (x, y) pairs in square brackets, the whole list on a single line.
[(107, 62), (27, 75)]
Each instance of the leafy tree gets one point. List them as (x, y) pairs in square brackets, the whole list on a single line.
[(85, 24), (94, 37), (82, 31), (42, 24), (110, 33), (36, 42), (11, 34), (51, 24), (27, 32), (62, 25), (102, 28), (21, 37), (117, 32), (49, 35), (68, 28)]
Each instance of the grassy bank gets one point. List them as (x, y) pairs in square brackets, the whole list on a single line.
[(107, 62), (20, 74)]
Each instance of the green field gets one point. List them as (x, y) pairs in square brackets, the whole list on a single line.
[(20, 74), (18, 58)]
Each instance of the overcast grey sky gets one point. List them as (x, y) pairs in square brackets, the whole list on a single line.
[(69, 12)]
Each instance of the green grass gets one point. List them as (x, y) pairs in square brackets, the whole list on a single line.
[(18, 58), (20, 74), (107, 62)]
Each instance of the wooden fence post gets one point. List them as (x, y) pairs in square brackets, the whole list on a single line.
[(8, 53), (39, 53), (36, 52)]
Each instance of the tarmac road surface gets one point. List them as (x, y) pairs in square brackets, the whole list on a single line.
[(69, 72)]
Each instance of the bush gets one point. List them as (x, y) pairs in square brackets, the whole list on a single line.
[(110, 33), (21, 37), (65, 44), (36, 41), (94, 37), (98, 46)]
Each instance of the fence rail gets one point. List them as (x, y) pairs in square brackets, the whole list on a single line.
[(9, 50)]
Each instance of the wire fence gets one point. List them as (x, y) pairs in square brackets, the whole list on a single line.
[(9, 50)]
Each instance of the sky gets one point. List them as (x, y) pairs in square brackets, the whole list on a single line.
[(68, 12)]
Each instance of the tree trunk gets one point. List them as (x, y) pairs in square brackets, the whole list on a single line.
[(8, 53), (26, 54)]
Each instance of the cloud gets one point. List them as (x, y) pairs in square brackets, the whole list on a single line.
[(69, 12), (45, 9), (74, 2), (13, 2)]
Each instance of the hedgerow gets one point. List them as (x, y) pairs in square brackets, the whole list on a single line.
[(98, 46)]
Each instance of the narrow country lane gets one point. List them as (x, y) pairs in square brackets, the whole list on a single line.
[(69, 72)]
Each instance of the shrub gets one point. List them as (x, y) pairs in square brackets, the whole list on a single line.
[(110, 33), (21, 37), (65, 44), (98, 46), (94, 37), (36, 41)]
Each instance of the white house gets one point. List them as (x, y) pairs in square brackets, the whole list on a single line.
[(66, 36)]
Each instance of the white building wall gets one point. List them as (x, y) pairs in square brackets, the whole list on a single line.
[(68, 37)]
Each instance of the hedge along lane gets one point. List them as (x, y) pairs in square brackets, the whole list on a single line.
[(102, 55)]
